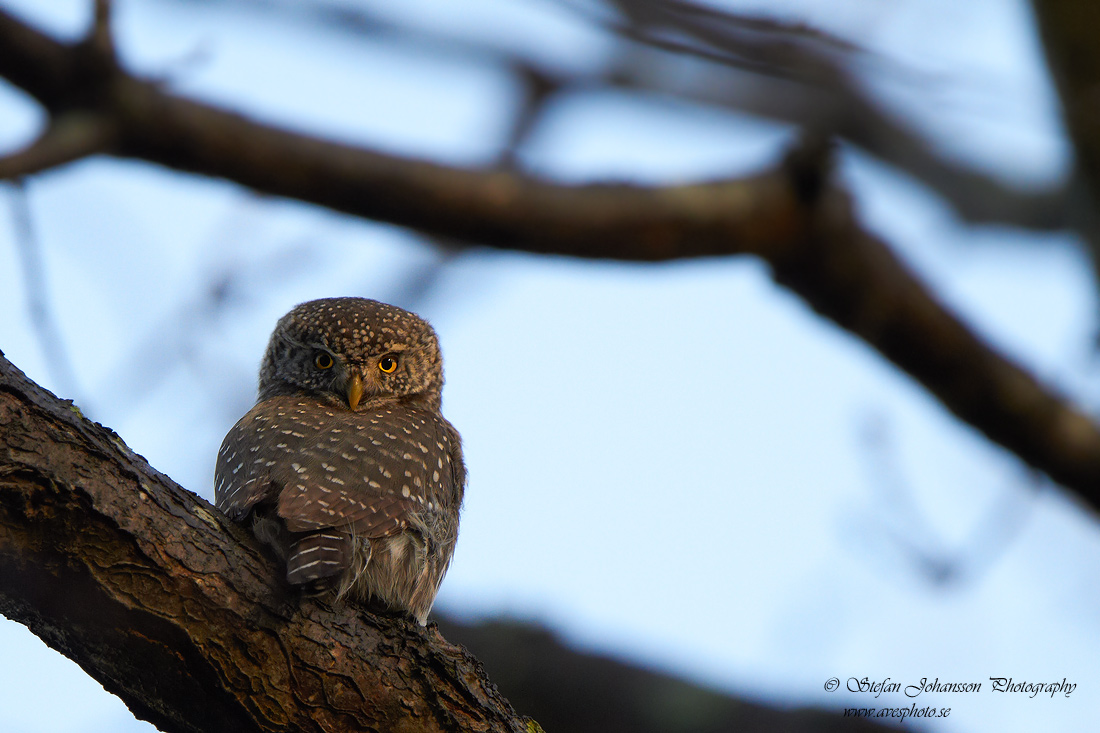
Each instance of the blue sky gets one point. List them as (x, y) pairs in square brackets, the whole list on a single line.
[(679, 465)]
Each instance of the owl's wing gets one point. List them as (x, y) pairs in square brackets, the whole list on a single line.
[(240, 478)]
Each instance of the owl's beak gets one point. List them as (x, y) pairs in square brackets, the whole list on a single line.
[(355, 390)]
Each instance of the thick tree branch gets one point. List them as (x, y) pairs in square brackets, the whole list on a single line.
[(851, 276), (142, 584), (794, 217)]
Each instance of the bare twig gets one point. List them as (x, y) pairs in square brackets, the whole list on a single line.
[(37, 295), (909, 534), (538, 88)]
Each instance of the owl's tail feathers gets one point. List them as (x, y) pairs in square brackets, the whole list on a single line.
[(316, 556)]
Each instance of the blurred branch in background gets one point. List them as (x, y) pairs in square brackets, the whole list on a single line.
[(796, 217), (787, 72), (895, 522), (569, 690), (231, 283)]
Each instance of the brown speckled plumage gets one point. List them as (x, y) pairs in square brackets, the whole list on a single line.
[(349, 470)]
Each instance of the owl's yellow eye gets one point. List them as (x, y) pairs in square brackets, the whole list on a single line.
[(323, 360), (387, 364)]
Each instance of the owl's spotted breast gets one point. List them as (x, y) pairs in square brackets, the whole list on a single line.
[(329, 467)]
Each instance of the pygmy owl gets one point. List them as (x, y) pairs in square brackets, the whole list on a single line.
[(345, 465)]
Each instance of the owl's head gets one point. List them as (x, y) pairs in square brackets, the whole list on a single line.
[(347, 351)]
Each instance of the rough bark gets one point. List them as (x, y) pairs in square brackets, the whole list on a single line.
[(178, 612)]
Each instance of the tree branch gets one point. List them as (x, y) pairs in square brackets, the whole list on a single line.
[(140, 583), (794, 217)]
